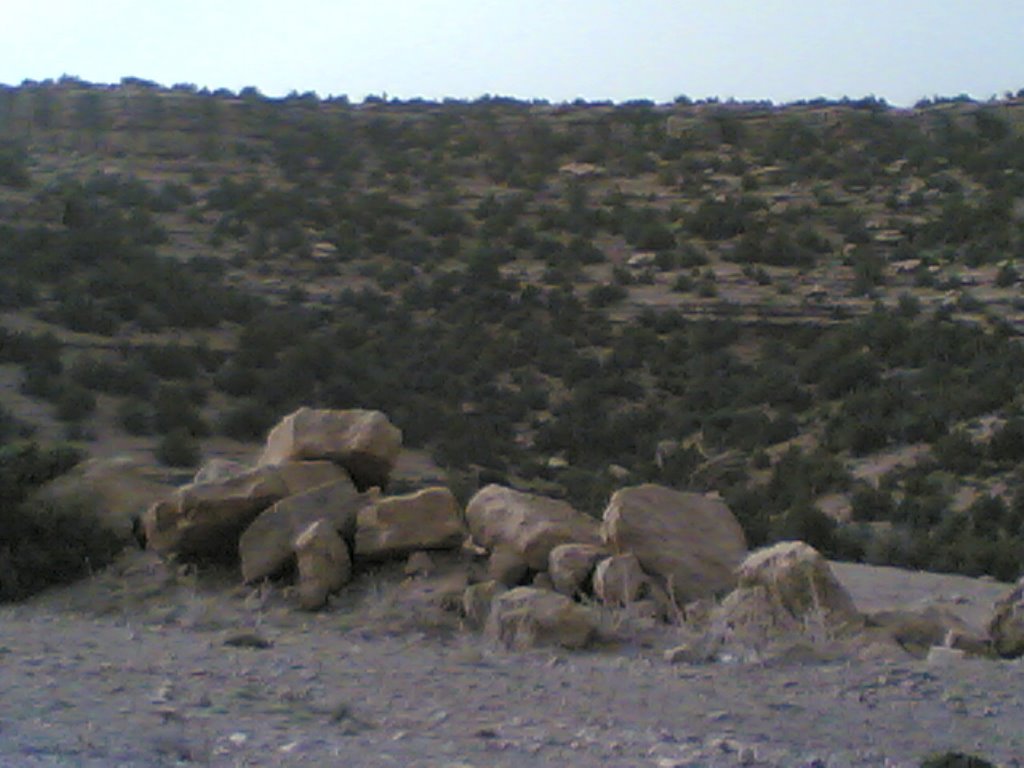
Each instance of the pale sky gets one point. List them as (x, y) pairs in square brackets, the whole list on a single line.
[(559, 50)]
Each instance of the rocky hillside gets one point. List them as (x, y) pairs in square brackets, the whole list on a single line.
[(812, 309)]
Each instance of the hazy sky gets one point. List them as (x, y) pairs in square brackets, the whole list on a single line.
[(559, 50)]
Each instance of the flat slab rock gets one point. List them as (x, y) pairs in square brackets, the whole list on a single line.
[(204, 520), (364, 442), (397, 526)]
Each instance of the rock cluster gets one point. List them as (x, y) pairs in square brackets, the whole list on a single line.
[(535, 569), (528, 569)]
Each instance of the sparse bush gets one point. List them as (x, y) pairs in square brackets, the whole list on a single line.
[(74, 403), (45, 543), (178, 448), (248, 420)]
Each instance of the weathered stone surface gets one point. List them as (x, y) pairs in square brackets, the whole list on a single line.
[(218, 469), (324, 564), (619, 580), (1007, 626), (419, 564), (917, 631), (720, 472), (204, 520), (364, 442), (692, 542), (526, 617), (571, 566), (399, 525), (530, 525), (786, 590), (266, 546), (477, 599), (542, 580), (507, 566), (301, 476)]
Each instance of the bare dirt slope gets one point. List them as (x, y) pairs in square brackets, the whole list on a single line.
[(131, 669)]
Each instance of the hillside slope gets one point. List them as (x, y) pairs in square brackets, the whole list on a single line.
[(813, 309)]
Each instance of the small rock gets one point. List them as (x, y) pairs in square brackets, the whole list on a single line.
[(507, 566), (324, 564), (619, 580), (571, 566), (941, 656), (419, 564), (246, 639), (526, 617), (477, 599)]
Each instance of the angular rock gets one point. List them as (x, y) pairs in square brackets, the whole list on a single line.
[(477, 599), (619, 580), (917, 631), (526, 617), (507, 566), (217, 470), (266, 546), (419, 564), (400, 525), (364, 442), (786, 590), (302, 476), (691, 542), (324, 564), (1007, 625), (571, 566), (530, 525), (204, 520)]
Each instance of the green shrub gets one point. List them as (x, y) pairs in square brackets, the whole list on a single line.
[(49, 543), (248, 420), (1007, 443), (75, 403), (178, 448), (45, 543), (135, 417)]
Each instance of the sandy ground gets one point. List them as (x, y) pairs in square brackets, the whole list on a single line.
[(132, 668)]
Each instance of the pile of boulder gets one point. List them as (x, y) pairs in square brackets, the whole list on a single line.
[(532, 570)]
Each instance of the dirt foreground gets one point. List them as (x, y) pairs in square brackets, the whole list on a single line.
[(142, 666)]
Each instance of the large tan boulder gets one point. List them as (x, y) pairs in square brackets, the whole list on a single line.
[(1007, 626), (690, 541), (204, 520), (786, 590), (397, 526), (526, 617), (324, 564), (619, 580), (266, 546), (530, 525), (364, 442), (571, 566), (302, 476)]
